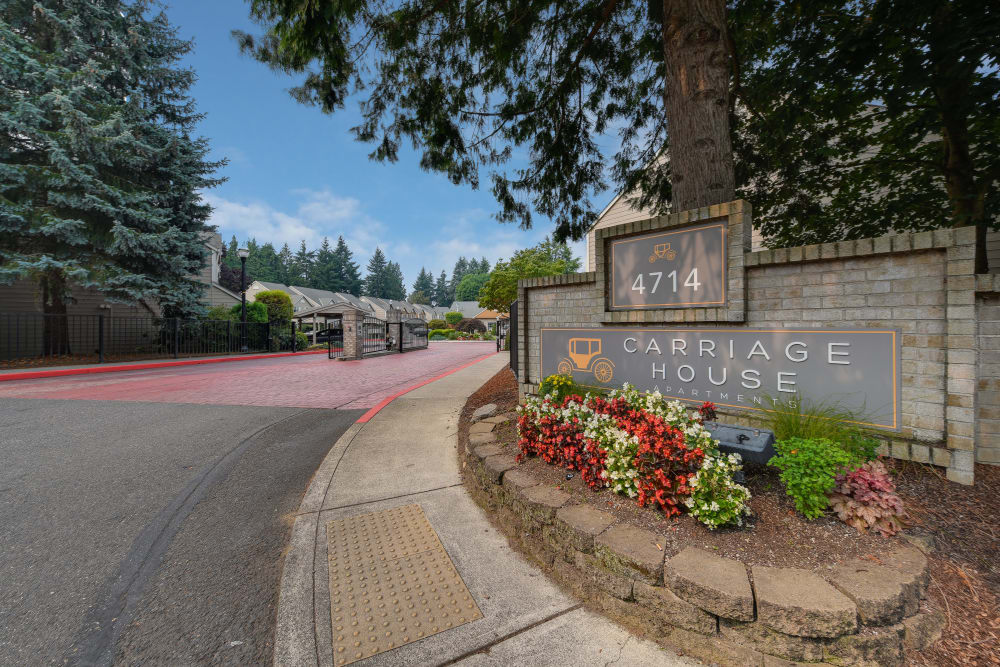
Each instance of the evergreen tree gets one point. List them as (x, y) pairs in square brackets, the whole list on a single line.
[(457, 273), (99, 172), (348, 274), (395, 286), (868, 117), (441, 290), (285, 264), (232, 257), (424, 283), (420, 297), (301, 266), (376, 280), (263, 263), (324, 273), (466, 82)]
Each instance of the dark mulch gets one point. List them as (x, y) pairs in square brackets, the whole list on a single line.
[(965, 569), (965, 566)]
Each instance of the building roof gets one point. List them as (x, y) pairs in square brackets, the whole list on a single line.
[(379, 305), (488, 314), (469, 309), (277, 286), (320, 297), (353, 300)]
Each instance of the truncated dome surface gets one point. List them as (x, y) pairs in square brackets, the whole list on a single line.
[(391, 583)]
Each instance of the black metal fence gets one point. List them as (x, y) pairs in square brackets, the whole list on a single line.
[(334, 342), (502, 331), (512, 337), (374, 336), (40, 339), (412, 335)]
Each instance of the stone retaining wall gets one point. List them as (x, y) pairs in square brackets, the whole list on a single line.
[(922, 284), (714, 608)]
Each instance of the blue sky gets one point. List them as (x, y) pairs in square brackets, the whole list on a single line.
[(296, 173)]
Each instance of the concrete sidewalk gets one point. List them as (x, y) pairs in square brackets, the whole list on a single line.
[(406, 455)]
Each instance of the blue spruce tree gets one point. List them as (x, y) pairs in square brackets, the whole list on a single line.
[(99, 171)]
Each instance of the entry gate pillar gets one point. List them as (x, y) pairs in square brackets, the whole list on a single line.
[(353, 329)]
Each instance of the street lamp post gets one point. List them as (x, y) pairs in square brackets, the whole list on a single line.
[(243, 253)]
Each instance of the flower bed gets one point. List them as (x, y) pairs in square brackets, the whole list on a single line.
[(587, 539), (639, 445)]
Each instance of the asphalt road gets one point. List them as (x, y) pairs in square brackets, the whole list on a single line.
[(148, 533)]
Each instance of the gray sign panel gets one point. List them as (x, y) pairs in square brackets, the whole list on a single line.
[(738, 368), (683, 268)]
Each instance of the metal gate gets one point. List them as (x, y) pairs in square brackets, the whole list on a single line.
[(334, 342), (412, 335), (374, 336), (512, 337)]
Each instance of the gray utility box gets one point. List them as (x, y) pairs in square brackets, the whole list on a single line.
[(753, 444)]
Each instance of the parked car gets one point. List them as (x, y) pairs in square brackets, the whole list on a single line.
[(324, 335)]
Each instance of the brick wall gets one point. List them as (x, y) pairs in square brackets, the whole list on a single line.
[(988, 389), (905, 292)]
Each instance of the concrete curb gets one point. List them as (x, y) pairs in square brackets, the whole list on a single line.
[(60, 372)]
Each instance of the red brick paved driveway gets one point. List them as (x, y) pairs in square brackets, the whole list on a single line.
[(310, 381)]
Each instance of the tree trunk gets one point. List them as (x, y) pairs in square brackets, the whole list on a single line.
[(696, 96), (55, 332), (953, 79)]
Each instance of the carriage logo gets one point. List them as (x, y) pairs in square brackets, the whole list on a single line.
[(584, 355), (662, 251)]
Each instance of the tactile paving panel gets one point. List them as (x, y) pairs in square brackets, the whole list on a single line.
[(391, 583)]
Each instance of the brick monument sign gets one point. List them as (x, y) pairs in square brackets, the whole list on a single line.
[(899, 329)]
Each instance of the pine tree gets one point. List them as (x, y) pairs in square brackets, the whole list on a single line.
[(349, 275), (441, 290), (457, 273), (474, 84), (100, 177), (232, 257), (284, 264), (424, 283), (324, 270), (376, 280), (302, 264), (262, 262), (395, 285)]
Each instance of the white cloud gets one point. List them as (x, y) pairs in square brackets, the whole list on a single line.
[(471, 233), (319, 213)]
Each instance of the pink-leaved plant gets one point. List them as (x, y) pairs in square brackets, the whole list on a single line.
[(866, 499)]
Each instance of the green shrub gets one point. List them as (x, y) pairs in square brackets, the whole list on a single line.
[(278, 304), (302, 342), (452, 334), (453, 318), (560, 386), (438, 337), (809, 469), (439, 332), (822, 420), (437, 324), (256, 312), (220, 314)]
